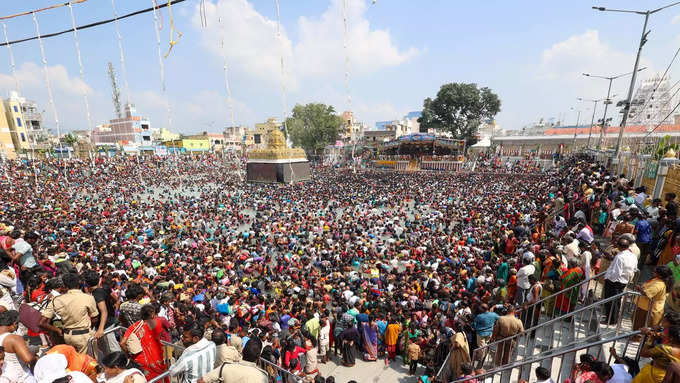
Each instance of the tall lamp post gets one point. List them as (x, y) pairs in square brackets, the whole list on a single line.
[(592, 120), (578, 120), (643, 40), (607, 100)]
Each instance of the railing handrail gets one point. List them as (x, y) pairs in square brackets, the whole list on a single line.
[(560, 318), (281, 369), (486, 348), (563, 291), (530, 361), (173, 345), (159, 377), (93, 340)]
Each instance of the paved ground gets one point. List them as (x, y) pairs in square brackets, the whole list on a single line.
[(369, 372)]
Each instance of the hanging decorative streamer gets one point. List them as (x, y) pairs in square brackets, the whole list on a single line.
[(173, 30), (11, 58), (49, 88), (160, 63), (283, 84), (160, 15), (18, 89), (346, 48), (204, 17), (345, 44), (82, 70), (162, 70), (283, 71), (230, 101), (120, 48)]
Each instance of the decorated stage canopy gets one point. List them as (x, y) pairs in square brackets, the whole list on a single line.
[(423, 143)]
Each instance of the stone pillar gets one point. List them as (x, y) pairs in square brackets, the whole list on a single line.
[(661, 174), (642, 165)]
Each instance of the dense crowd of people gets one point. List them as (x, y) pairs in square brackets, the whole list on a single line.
[(213, 279)]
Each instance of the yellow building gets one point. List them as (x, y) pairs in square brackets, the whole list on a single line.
[(6, 143), (165, 135), (261, 131), (186, 145), (17, 126)]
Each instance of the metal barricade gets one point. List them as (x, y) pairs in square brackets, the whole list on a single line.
[(286, 375), (577, 330), (523, 345), (525, 367), (92, 344), (569, 290)]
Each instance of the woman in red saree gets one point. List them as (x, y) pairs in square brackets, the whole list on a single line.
[(145, 346)]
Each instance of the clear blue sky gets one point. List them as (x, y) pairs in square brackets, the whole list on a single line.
[(531, 53)]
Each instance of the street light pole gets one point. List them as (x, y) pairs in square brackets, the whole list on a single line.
[(626, 107), (578, 120), (643, 40), (607, 101), (592, 120)]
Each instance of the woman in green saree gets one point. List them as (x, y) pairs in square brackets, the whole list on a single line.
[(566, 302)]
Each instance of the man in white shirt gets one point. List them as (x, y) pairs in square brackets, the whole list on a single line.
[(324, 339), (617, 277), (571, 249), (198, 358), (523, 284)]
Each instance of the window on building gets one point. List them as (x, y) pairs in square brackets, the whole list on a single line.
[(147, 138), (19, 121), (16, 110), (23, 138)]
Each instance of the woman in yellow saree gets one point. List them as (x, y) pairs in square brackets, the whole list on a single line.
[(662, 356)]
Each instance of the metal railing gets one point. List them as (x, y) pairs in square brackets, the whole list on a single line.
[(160, 377), (92, 347), (504, 373), (569, 290), (526, 340), (514, 343), (286, 375)]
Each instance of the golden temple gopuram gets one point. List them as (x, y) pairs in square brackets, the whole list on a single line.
[(277, 163), (276, 149)]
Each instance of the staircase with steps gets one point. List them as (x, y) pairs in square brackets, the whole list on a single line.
[(557, 342)]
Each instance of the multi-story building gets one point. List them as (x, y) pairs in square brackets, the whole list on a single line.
[(373, 138), (216, 140), (33, 121), (6, 144), (17, 125), (131, 130), (261, 129), (234, 137), (412, 120), (352, 130), (162, 135)]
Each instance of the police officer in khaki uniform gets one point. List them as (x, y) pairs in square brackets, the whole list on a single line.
[(76, 310), (244, 371)]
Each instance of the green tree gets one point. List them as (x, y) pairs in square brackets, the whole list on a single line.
[(459, 109), (313, 126), (70, 139)]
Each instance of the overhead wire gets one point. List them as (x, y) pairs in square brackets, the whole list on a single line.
[(41, 9), (91, 25)]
